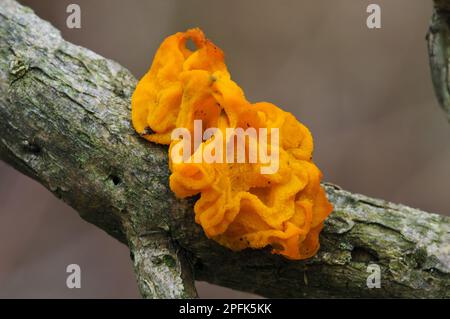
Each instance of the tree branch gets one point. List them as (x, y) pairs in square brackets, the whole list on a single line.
[(158, 264), (66, 123), (438, 38)]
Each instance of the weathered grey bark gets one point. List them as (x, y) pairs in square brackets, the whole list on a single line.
[(65, 122)]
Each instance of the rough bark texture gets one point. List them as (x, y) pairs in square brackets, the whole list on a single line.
[(65, 121)]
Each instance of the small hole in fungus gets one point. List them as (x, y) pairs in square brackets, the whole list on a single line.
[(190, 45), (147, 131)]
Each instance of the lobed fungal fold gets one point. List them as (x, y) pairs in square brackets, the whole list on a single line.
[(239, 207)]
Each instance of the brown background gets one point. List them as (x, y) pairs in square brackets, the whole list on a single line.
[(365, 94)]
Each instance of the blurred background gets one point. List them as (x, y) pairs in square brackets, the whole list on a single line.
[(366, 95)]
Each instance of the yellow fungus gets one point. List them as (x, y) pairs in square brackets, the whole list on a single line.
[(239, 207)]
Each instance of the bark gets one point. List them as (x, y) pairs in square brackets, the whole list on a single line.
[(65, 122)]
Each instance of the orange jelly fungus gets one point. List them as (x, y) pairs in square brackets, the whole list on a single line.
[(239, 207)]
